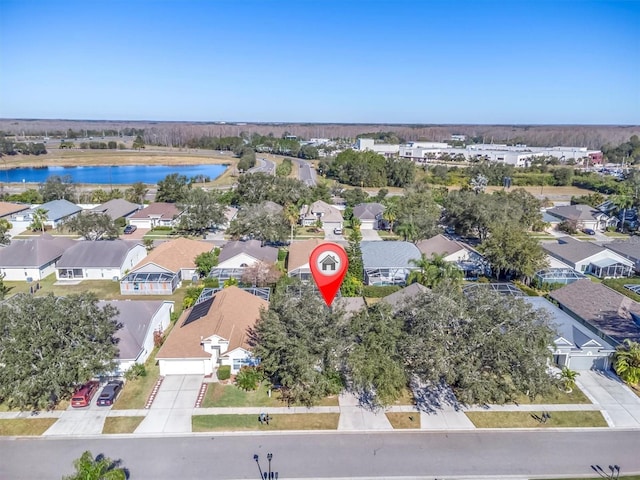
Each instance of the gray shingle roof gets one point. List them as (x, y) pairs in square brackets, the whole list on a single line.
[(440, 245), (102, 253), (605, 309), (368, 211), (568, 248), (396, 299), (135, 317), (117, 208), (629, 248), (575, 212), (34, 252), (252, 248), (58, 209), (389, 254)]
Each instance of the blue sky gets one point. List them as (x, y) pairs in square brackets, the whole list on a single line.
[(360, 61)]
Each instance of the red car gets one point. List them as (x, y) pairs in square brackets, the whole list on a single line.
[(83, 395)]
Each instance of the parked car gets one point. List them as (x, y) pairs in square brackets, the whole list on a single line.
[(130, 229), (109, 393), (588, 231), (83, 395), (337, 231)]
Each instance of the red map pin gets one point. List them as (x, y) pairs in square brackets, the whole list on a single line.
[(328, 263)]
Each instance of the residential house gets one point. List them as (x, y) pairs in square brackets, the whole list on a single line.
[(8, 210), (575, 346), (587, 257), (117, 208), (613, 316), (397, 299), (156, 215), (628, 248), (369, 214), (349, 305), (33, 259), (451, 250), (99, 260), (236, 256), (585, 216), (230, 213), (329, 215), (58, 212), (164, 268), (140, 319), (212, 333), (298, 259), (388, 263)]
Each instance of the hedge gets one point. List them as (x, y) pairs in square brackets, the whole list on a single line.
[(224, 372), (373, 291)]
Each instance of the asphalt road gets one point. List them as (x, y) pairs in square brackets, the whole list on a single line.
[(305, 172), (487, 454), (264, 166)]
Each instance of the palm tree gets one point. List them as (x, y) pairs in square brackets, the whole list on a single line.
[(622, 202), (627, 362), (100, 468), (408, 231), (390, 213), (40, 217), (292, 215), (434, 271), (568, 379)]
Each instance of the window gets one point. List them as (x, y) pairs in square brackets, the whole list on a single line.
[(238, 363)]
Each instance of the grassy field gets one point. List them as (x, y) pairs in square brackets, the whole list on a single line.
[(291, 421), (219, 395), (401, 420), (25, 426), (526, 419), (121, 424)]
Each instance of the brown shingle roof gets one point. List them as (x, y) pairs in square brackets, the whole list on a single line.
[(252, 248), (7, 208), (176, 254), (299, 252), (232, 312), (158, 210), (605, 309), (440, 245)]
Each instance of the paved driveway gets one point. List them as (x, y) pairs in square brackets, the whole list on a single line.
[(80, 421), (173, 406), (369, 234), (621, 407)]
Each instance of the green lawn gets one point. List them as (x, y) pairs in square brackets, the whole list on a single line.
[(526, 420), (121, 424), (25, 426), (290, 421), (406, 398), (556, 396), (219, 395), (136, 392), (400, 420)]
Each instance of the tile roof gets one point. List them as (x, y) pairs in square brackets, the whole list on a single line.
[(253, 248), (568, 248), (7, 208), (34, 252), (167, 211), (117, 208), (605, 309), (368, 211), (176, 254), (299, 252), (232, 312), (439, 245), (377, 254), (396, 299), (58, 209), (135, 317), (101, 253)]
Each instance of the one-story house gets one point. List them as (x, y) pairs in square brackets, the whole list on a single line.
[(117, 208), (140, 319), (585, 216), (164, 268), (212, 333), (298, 258), (8, 209), (613, 316), (157, 214), (32, 259), (397, 299), (441, 245), (99, 260), (575, 346), (628, 248), (388, 263), (369, 214), (587, 257), (58, 212), (329, 215), (236, 256)]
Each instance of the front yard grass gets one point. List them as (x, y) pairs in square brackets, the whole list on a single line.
[(556, 396), (220, 395), (135, 393), (121, 424), (25, 426), (526, 420), (290, 421), (405, 398), (400, 420)]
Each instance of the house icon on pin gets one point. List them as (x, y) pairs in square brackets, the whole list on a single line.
[(329, 262)]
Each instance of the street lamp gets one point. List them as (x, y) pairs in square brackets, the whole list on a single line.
[(615, 470), (268, 475)]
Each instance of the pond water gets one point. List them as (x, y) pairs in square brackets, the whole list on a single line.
[(121, 174)]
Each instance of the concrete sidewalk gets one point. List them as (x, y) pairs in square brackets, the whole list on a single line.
[(355, 417)]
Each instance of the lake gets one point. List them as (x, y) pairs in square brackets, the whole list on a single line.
[(111, 175)]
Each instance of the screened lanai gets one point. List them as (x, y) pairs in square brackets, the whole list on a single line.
[(558, 275)]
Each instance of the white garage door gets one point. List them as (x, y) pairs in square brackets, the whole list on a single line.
[(367, 224), (182, 367)]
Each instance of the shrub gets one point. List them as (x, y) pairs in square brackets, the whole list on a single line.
[(211, 282), (137, 370), (373, 291), (248, 378), (224, 372), (120, 222)]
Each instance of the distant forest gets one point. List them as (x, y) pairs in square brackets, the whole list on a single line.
[(180, 134)]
